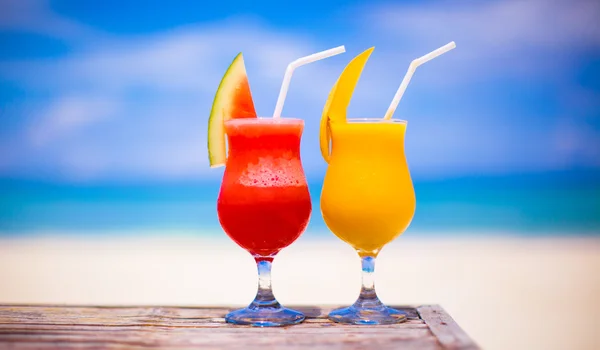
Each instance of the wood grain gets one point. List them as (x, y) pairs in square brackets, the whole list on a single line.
[(447, 332), (87, 327)]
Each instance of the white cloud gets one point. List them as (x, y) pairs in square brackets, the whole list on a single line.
[(188, 59), (534, 45), (164, 154), (69, 114), (495, 27), (576, 144), (34, 16), (155, 93), (137, 106), (513, 37)]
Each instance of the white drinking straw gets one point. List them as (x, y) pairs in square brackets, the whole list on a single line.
[(297, 63), (411, 70)]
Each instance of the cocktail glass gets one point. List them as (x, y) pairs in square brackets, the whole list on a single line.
[(367, 201), (264, 204)]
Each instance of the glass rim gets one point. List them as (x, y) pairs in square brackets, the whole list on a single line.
[(369, 120)]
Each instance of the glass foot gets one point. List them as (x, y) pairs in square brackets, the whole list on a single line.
[(265, 317), (367, 316)]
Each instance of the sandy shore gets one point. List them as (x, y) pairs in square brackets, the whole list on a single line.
[(507, 293)]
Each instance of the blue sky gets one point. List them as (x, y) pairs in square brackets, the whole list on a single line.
[(111, 90)]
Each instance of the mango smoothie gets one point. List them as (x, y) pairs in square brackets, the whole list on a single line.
[(368, 198)]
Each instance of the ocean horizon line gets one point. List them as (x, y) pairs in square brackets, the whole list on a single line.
[(548, 204), (317, 235), (585, 174)]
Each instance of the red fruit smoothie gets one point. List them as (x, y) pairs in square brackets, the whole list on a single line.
[(264, 204)]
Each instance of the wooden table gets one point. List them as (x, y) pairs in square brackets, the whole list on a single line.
[(87, 327)]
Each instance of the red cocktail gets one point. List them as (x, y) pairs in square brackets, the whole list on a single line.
[(264, 204)]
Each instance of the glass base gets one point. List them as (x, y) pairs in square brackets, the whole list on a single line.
[(367, 315), (265, 317)]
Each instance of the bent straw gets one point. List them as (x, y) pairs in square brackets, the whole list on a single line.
[(411, 70), (295, 64)]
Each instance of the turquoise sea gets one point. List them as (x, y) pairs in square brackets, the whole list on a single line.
[(560, 203)]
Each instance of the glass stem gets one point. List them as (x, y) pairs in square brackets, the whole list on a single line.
[(368, 278), (264, 296), (368, 297)]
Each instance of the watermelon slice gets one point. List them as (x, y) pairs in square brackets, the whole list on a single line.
[(233, 100)]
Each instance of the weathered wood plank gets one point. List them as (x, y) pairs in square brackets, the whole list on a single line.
[(308, 324), (155, 316), (330, 343), (163, 311), (319, 342), (298, 329), (445, 329), (86, 327), (203, 339)]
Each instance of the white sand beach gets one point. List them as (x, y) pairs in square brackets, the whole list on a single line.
[(505, 292)]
